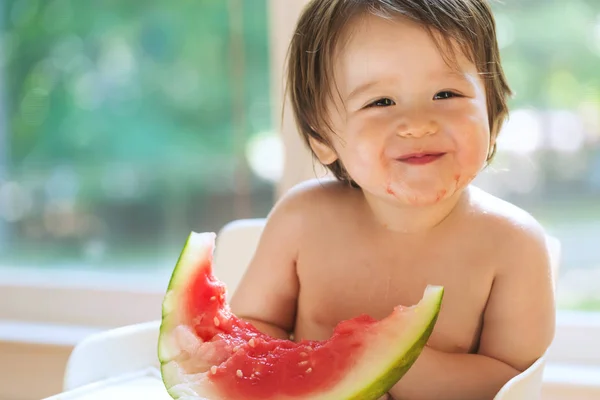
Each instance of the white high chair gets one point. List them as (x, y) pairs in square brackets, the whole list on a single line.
[(122, 363)]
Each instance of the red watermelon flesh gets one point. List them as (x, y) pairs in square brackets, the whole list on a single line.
[(206, 352)]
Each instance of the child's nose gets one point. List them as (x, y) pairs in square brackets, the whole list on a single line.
[(416, 126)]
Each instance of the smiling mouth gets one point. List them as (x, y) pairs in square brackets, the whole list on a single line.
[(420, 158)]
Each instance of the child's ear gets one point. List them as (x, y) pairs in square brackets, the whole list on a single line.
[(325, 153)]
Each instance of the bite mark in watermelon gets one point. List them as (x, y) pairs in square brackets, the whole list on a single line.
[(206, 352)]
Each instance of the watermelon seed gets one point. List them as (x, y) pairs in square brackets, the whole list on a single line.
[(303, 363), (213, 298), (239, 373), (216, 321), (213, 369), (236, 348), (222, 297), (252, 343), (303, 354), (308, 371)]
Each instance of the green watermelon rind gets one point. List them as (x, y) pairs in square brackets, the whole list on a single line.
[(193, 254), (431, 303), (381, 363)]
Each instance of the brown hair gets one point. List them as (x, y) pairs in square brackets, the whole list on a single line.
[(470, 23)]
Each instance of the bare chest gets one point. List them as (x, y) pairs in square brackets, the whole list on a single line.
[(339, 281)]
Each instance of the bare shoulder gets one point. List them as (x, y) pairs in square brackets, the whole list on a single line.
[(501, 214), (315, 199), (319, 189), (307, 206), (515, 232)]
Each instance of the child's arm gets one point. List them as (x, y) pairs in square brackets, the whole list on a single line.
[(518, 327), (267, 293)]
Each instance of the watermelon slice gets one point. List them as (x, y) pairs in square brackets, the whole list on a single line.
[(206, 352)]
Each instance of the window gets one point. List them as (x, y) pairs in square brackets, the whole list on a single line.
[(128, 125)]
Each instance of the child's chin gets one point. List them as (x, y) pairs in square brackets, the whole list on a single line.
[(424, 201), (420, 197)]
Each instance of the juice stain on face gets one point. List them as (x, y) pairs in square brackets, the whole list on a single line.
[(456, 181), (441, 195), (389, 189)]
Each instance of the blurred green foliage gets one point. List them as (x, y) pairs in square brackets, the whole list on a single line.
[(147, 84), (122, 132), (551, 51)]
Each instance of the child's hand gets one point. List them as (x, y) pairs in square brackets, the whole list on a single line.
[(386, 397)]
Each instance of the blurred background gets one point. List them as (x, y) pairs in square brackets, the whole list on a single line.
[(124, 125), (127, 124)]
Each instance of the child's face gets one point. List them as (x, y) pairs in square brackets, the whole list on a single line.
[(399, 97)]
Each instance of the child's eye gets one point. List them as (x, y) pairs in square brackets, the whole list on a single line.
[(445, 95), (384, 102)]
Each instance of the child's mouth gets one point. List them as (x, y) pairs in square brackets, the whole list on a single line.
[(420, 158)]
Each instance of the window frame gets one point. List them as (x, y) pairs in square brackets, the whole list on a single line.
[(59, 298)]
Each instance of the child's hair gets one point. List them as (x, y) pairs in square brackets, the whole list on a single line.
[(469, 23)]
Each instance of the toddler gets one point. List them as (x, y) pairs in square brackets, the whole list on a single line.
[(403, 100)]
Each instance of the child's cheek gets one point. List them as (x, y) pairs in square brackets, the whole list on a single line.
[(472, 151), (363, 163), (469, 165)]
